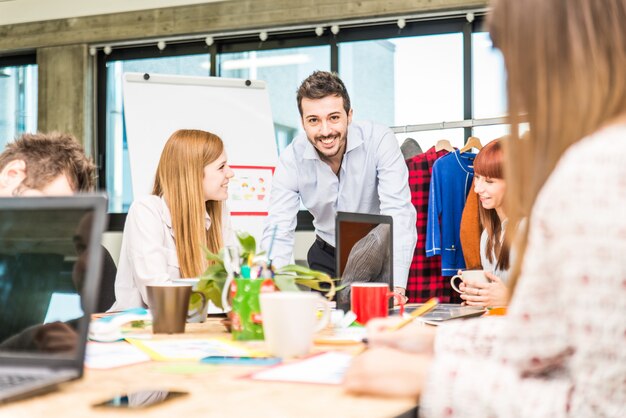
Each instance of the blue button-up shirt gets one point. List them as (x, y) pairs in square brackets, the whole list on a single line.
[(373, 179)]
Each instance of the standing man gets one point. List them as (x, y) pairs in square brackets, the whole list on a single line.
[(338, 165)]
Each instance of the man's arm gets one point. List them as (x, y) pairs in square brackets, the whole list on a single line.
[(281, 222), (395, 200)]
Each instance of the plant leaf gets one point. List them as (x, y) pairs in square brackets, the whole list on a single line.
[(304, 271), (212, 256), (247, 242), (286, 283), (212, 289), (214, 270)]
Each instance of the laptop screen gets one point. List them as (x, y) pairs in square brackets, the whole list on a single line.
[(46, 288), (364, 248)]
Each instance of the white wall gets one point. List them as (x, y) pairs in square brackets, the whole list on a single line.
[(20, 11)]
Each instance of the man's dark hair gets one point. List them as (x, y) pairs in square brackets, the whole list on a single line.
[(49, 155), (321, 84)]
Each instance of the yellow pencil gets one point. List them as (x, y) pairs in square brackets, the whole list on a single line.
[(425, 308)]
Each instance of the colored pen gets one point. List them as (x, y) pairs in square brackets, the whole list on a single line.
[(425, 308), (422, 310)]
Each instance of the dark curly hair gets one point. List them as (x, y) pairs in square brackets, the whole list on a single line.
[(49, 155), (321, 84)]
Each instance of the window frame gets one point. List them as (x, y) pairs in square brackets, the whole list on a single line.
[(18, 60), (27, 58), (297, 38)]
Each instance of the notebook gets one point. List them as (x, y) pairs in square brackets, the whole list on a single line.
[(50, 264)]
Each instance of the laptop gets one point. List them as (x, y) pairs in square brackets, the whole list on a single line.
[(50, 264), (444, 312), (364, 252)]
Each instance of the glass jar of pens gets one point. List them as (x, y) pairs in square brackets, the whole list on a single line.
[(237, 275), (244, 283)]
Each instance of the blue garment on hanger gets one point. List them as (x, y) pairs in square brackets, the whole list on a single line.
[(451, 181)]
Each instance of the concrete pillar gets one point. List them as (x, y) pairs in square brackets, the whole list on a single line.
[(66, 92)]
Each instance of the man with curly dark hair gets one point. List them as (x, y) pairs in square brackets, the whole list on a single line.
[(45, 164)]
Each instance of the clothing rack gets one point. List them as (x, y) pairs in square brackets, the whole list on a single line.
[(467, 123)]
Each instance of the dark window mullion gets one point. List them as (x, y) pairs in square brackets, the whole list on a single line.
[(334, 55), (101, 129), (18, 60), (468, 94), (213, 51)]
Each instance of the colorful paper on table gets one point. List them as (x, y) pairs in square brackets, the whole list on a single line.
[(342, 336), (193, 349), (110, 355), (241, 361), (326, 368)]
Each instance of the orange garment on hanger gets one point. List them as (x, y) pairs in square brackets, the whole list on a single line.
[(470, 231)]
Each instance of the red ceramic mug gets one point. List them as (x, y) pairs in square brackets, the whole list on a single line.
[(371, 300)]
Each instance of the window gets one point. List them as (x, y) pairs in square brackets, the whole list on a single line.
[(489, 86), (489, 78), (18, 101), (118, 184), (395, 77), (406, 81), (283, 70)]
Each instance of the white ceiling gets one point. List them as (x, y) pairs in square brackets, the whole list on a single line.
[(19, 11)]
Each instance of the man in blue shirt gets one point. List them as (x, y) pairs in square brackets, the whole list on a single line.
[(338, 165)]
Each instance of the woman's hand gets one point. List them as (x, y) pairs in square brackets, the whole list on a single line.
[(485, 295), (384, 371), (400, 297), (413, 338)]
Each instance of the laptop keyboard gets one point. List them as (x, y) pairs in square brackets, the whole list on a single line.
[(7, 381)]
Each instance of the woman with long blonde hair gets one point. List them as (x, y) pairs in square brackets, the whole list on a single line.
[(165, 231), (559, 351)]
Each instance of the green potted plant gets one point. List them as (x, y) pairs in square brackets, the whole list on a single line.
[(287, 278)]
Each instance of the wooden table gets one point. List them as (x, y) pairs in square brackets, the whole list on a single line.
[(214, 391)]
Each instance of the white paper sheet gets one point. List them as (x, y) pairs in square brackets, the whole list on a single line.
[(327, 368), (110, 355)]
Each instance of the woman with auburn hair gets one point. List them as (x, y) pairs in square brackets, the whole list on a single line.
[(165, 231), (490, 186), (559, 351)]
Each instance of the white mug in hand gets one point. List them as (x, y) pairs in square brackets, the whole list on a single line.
[(473, 275), (290, 320)]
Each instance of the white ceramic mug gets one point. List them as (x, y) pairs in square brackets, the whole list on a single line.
[(473, 275), (290, 320)]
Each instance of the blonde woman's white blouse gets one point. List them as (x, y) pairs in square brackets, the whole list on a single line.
[(148, 254)]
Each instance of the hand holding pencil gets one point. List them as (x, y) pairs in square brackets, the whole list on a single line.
[(400, 356), (403, 333)]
